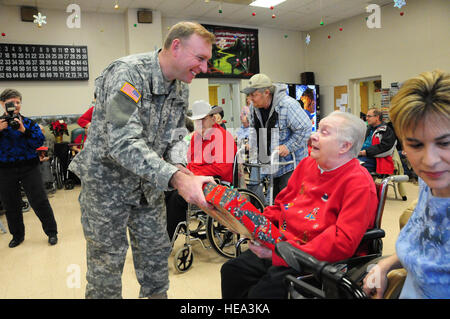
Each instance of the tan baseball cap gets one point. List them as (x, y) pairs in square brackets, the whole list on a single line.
[(258, 81)]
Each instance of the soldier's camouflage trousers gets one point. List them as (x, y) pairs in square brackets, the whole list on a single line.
[(105, 223)]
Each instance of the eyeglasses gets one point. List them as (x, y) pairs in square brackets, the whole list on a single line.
[(371, 116)]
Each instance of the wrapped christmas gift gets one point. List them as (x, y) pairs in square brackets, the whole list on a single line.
[(235, 212)]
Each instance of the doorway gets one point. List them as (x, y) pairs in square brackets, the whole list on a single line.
[(364, 93), (225, 93)]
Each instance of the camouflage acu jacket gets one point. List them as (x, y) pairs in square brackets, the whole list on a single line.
[(130, 133)]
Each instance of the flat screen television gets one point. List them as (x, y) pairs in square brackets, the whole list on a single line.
[(308, 97)]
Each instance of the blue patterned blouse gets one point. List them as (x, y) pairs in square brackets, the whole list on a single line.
[(423, 247)]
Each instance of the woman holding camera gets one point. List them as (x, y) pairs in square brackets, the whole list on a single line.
[(19, 166)]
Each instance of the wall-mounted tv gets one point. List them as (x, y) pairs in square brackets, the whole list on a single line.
[(308, 97)]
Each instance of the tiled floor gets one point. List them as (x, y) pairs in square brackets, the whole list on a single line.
[(36, 270)]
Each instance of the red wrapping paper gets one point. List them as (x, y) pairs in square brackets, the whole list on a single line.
[(239, 215)]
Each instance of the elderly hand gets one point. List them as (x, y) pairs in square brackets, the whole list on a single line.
[(260, 251), (283, 150), (184, 169)]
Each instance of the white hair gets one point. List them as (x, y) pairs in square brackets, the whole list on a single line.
[(352, 130)]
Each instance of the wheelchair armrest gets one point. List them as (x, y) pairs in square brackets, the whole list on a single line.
[(239, 243), (374, 233), (299, 260)]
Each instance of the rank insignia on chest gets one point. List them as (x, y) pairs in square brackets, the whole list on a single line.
[(131, 91)]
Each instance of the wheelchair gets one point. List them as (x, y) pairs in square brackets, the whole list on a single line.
[(201, 227), (266, 181), (341, 279), (63, 155)]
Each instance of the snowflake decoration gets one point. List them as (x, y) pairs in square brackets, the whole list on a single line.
[(308, 39), (39, 19), (399, 3)]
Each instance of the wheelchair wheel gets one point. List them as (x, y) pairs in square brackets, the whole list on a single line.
[(183, 259), (222, 240), (57, 172), (25, 206)]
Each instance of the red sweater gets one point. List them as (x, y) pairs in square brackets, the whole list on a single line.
[(325, 214), (214, 155), (86, 117)]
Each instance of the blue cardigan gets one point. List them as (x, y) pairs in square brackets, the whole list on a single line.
[(17, 148)]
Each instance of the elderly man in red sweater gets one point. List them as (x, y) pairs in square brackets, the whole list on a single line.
[(329, 203), (211, 153)]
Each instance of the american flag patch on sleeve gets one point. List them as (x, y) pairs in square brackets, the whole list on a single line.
[(130, 90)]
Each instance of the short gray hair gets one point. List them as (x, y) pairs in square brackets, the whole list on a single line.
[(270, 88), (352, 130)]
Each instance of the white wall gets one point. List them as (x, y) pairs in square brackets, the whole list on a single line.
[(110, 36), (104, 35), (143, 37), (403, 47)]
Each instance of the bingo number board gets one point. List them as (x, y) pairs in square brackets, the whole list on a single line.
[(33, 62)]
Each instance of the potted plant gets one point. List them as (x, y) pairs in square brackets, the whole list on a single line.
[(58, 128)]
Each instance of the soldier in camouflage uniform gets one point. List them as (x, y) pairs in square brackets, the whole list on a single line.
[(123, 168)]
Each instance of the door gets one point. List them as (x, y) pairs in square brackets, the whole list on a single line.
[(364, 95), (213, 94), (228, 97)]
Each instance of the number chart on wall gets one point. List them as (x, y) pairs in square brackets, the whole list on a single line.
[(34, 62)]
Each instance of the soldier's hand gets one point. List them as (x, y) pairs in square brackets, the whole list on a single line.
[(190, 187)]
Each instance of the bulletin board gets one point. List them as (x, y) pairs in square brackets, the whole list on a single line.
[(339, 101), (34, 62)]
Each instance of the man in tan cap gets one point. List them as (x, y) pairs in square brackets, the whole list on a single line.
[(277, 122), (211, 153)]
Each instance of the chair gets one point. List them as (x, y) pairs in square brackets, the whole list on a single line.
[(397, 277), (337, 280), (75, 132), (398, 170)]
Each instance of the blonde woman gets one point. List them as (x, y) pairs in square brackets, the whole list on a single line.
[(420, 113)]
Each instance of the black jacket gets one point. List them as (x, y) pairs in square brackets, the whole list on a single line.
[(387, 137)]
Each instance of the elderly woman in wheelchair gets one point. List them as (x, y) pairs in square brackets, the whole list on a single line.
[(420, 115), (329, 203)]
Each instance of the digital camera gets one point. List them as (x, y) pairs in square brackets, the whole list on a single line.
[(10, 116)]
